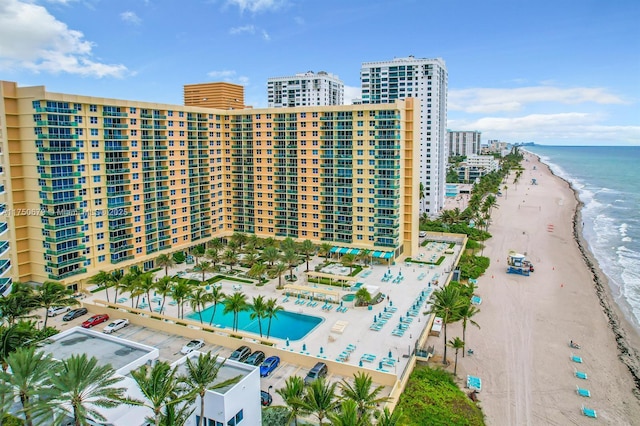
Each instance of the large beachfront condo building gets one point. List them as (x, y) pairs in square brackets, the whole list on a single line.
[(305, 89), (92, 184), (426, 80), (464, 142)]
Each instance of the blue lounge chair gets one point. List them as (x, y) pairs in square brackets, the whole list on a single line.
[(576, 358), (350, 347), (583, 392), (580, 374), (143, 305), (397, 332), (173, 303), (589, 412)]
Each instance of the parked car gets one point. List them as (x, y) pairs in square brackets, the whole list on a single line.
[(73, 314), (95, 320), (269, 365), (57, 310), (319, 370), (116, 325), (241, 353), (192, 346), (265, 398), (255, 358)]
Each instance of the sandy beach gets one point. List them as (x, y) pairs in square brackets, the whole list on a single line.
[(522, 351)]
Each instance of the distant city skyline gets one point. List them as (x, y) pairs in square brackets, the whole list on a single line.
[(563, 73)]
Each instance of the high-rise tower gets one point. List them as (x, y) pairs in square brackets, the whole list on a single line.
[(306, 89)]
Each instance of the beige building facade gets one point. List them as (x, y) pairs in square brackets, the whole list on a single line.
[(92, 184)]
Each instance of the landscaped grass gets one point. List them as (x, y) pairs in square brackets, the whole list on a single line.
[(432, 398)]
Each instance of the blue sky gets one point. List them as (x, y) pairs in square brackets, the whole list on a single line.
[(559, 72)]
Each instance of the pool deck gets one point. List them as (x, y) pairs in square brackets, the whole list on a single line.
[(371, 346)]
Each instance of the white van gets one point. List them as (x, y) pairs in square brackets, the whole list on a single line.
[(422, 234)]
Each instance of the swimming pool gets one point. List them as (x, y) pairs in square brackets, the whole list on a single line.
[(349, 297), (285, 325)]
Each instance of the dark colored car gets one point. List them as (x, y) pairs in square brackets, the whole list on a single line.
[(95, 320), (241, 353), (269, 365), (265, 398), (319, 370), (74, 314), (255, 358)]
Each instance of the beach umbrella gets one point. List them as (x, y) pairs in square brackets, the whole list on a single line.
[(321, 349), (380, 365), (380, 315), (304, 346), (390, 354), (360, 363), (287, 341), (375, 318), (400, 318), (385, 309), (390, 303)]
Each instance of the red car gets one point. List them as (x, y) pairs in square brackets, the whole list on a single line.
[(95, 320)]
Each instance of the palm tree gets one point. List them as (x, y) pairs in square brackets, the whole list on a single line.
[(308, 249), (233, 246), (347, 416), (271, 311), (204, 268), (198, 252), (19, 304), (257, 271), (162, 387), (29, 376), (446, 304), (279, 269), (270, 255), (179, 293), (165, 261), (365, 255), (253, 241), (291, 259), (239, 238), (466, 312), (291, 394), (320, 398), (146, 284), (269, 242), (163, 287), (363, 296), (505, 191), (258, 311), (53, 294), (199, 299), (230, 258), (250, 259), (348, 260), (387, 418), (115, 279), (288, 244), (325, 250), (362, 394), (13, 337), (236, 303), (214, 257), (80, 386), (216, 297), (216, 244), (103, 280), (456, 344), (202, 375)]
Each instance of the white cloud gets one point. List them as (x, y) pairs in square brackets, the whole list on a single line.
[(351, 93), (482, 100), (34, 40), (299, 20), (576, 126), (250, 29), (130, 17), (256, 5), (65, 2), (229, 76), (265, 35)]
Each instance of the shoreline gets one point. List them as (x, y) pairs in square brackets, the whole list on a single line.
[(627, 339)]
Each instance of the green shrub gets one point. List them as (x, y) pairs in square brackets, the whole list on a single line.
[(179, 257)]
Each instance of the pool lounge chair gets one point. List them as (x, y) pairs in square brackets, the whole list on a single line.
[(285, 300), (589, 412), (577, 359), (368, 358), (583, 392), (397, 332), (580, 374), (350, 348), (158, 309), (122, 300), (173, 303), (143, 305)]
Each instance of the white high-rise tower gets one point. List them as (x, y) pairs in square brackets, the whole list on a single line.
[(425, 79), (306, 89)]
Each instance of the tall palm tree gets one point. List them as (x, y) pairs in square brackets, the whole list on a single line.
[(253, 241), (53, 294), (291, 394), (270, 255), (162, 387), (199, 299), (216, 244), (179, 293), (18, 304), (115, 279), (103, 280), (235, 303), (201, 376), (271, 311), (233, 246), (288, 244), (13, 337), (308, 249), (146, 284), (348, 260), (217, 296), (206, 267), (269, 242), (466, 312), (387, 418), (446, 304), (279, 269), (198, 252), (348, 415), (325, 250), (214, 256), (362, 394), (365, 255), (230, 258), (29, 376), (250, 259), (165, 261), (257, 271), (456, 344), (163, 287), (258, 310), (320, 398), (291, 259), (239, 238), (80, 386), (363, 296)]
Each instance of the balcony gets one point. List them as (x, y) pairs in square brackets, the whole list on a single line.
[(67, 274), (114, 114)]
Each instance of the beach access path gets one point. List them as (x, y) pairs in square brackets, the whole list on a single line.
[(521, 351)]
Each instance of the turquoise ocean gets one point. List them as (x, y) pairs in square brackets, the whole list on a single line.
[(607, 179)]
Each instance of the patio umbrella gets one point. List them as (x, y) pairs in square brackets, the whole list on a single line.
[(321, 349), (390, 354), (304, 346), (287, 341), (375, 318), (360, 363), (390, 303), (380, 365), (401, 318)]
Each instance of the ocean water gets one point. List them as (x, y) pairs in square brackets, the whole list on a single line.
[(608, 183)]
